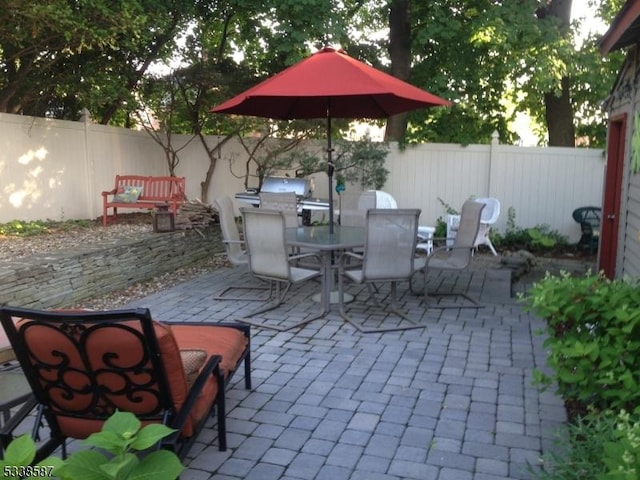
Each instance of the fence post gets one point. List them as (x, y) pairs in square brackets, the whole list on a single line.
[(85, 118), (493, 151)]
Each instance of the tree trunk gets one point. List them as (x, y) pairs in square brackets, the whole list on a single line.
[(559, 116), (400, 53), (558, 109)]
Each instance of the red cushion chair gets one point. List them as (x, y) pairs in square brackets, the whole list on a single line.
[(84, 365)]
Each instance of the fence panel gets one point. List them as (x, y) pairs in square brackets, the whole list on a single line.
[(57, 169), (43, 169), (543, 185)]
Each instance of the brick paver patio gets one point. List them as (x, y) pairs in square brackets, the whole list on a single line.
[(452, 401)]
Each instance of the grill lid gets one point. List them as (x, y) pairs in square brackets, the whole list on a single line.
[(285, 184)]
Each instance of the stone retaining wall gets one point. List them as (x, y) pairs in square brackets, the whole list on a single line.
[(65, 278)]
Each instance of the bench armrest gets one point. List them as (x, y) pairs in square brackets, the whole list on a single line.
[(110, 192)]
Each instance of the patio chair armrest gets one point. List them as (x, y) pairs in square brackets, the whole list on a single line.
[(443, 249), (212, 367), (442, 239), (239, 242), (345, 256), (305, 255), (6, 433)]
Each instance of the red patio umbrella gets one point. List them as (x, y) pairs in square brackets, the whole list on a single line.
[(329, 84)]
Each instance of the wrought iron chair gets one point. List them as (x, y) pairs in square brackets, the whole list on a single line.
[(389, 257), (270, 259), (83, 365), (456, 256), (589, 220), (233, 245)]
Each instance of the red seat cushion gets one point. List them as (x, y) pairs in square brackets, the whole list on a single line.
[(228, 342)]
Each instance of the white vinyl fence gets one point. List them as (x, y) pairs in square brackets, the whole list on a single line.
[(57, 170)]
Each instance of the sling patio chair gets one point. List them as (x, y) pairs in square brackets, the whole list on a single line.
[(456, 256), (388, 257), (354, 206), (270, 259), (490, 215), (82, 366), (286, 202), (236, 254)]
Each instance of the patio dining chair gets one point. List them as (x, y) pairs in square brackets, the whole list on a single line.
[(286, 202), (455, 257), (236, 254), (82, 366), (354, 206), (270, 259), (490, 215), (388, 257)]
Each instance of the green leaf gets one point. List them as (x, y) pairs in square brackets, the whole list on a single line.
[(570, 377), (158, 465), (120, 466), (110, 441), (85, 465), (122, 423), (150, 435), (21, 451)]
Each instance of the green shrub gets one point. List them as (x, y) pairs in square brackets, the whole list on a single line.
[(593, 344), (622, 453), (19, 228), (23, 229), (601, 446), (578, 450), (121, 436), (538, 239)]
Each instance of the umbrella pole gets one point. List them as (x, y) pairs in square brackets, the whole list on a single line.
[(330, 167)]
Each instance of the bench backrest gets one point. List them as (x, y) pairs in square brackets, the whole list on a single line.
[(153, 188)]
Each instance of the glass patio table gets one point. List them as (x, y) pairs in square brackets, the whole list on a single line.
[(320, 239)]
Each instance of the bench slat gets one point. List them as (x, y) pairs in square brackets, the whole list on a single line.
[(170, 190)]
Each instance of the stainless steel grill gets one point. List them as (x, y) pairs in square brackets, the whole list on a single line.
[(285, 184)]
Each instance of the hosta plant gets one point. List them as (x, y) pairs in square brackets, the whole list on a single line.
[(122, 437)]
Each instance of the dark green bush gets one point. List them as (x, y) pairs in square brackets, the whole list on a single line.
[(538, 239), (601, 446), (593, 344), (578, 451), (593, 350)]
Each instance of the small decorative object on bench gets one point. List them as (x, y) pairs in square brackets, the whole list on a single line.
[(84, 365), (136, 191)]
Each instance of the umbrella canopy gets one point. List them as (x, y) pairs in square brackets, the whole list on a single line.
[(329, 84)]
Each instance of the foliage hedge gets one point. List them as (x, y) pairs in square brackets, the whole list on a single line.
[(593, 352)]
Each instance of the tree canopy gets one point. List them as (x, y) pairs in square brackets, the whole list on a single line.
[(492, 58)]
